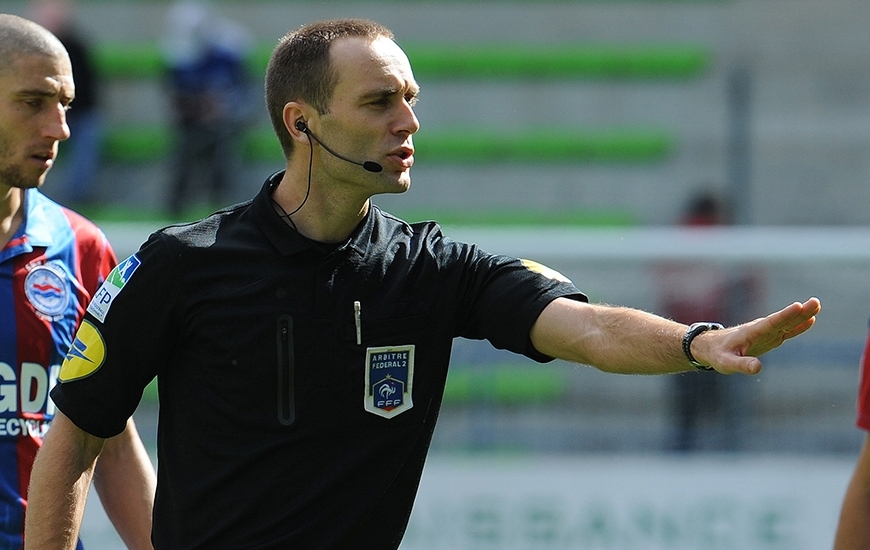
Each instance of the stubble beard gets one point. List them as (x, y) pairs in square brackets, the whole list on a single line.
[(12, 177)]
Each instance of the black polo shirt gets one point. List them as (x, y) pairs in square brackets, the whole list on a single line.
[(299, 386)]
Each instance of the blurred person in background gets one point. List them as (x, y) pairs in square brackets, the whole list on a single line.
[(80, 161), (853, 531), (210, 97), (52, 261), (691, 290)]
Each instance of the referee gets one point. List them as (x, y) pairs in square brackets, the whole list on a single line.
[(301, 340)]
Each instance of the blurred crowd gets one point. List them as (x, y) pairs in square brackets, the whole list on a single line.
[(209, 95)]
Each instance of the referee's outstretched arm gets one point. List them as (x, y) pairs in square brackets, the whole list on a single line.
[(624, 340)]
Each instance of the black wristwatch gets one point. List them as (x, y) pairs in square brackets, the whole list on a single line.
[(694, 330)]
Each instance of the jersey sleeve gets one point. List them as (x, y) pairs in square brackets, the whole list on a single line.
[(98, 260), (95, 256), (863, 416), (121, 344), (501, 297)]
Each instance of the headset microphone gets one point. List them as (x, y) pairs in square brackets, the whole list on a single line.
[(369, 165)]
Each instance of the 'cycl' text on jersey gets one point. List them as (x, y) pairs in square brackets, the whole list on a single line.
[(99, 306)]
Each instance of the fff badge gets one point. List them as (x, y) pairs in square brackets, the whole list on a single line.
[(389, 377)]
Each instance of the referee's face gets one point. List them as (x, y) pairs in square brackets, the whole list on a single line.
[(371, 115), (35, 93)]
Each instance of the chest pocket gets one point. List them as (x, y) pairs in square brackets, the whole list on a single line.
[(344, 363)]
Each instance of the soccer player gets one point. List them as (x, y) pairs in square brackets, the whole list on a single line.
[(853, 531), (52, 261), (301, 340)]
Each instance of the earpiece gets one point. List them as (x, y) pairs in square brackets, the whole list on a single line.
[(369, 165)]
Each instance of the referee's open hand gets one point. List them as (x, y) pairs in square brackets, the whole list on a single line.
[(736, 349)]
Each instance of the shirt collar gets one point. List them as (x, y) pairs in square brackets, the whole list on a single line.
[(35, 229), (36, 222), (287, 240)]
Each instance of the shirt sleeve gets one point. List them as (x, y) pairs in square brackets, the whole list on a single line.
[(502, 297), (96, 258), (121, 344)]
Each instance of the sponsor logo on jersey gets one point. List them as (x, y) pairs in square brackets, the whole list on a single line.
[(389, 378), (86, 354), (547, 272), (99, 306), (24, 393), (47, 290)]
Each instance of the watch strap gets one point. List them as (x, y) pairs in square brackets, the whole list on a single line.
[(694, 330)]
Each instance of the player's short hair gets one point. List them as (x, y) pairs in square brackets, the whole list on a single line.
[(300, 68), (21, 37)]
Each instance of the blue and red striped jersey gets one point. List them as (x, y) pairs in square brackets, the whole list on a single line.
[(49, 270)]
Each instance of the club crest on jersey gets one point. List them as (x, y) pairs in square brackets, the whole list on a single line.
[(47, 290), (114, 283), (85, 356), (389, 378)]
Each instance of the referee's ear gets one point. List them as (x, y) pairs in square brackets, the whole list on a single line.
[(295, 111)]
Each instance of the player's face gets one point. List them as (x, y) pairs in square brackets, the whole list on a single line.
[(371, 115), (35, 93)]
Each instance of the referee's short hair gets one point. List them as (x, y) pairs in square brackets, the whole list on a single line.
[(300, 68)]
